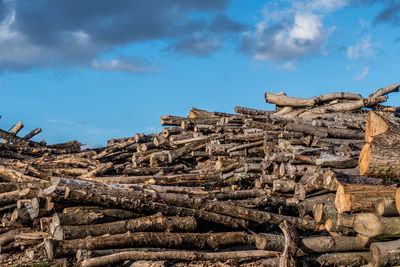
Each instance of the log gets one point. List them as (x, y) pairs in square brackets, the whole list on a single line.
[(14, 131), (378, 161), (386, 207), (288, 257), (361, 198), (115, 259), (385, 253), (154, 223), (32, 133), (213, 241), (371, 225), (385, 90)]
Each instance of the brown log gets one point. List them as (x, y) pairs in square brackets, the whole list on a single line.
[(32, 133), (386, 253), (191, 256), (14, 131), (385, 90), (154, 223), (378, 161), (386, 207), (288, 258), (371, 225), (361, 198), (281, 99), (213, 241)]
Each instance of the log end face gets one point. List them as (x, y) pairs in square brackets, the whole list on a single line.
[(376, 255), (363, 161), (342, 200), (49, 248), (368, 224)]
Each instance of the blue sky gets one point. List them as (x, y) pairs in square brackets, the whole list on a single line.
[(97, 70)]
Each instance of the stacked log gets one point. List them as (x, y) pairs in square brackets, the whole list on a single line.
[(312, 182)]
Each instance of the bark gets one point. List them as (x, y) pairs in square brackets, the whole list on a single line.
[(252, 112), (336, 259)]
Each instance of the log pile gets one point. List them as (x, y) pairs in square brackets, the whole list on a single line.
[(311, 183)]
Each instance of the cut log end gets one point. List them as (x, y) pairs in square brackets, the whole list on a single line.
[(363, 161), (375, 126)]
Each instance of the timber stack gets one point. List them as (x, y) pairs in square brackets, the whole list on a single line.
[(311, 183)]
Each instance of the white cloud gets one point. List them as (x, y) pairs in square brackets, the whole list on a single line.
[(286, 41), (288, 66), (362, 49), (323, 5), (126, 64), (361, 76)]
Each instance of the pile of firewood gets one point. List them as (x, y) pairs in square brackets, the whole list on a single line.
[(312, 183)]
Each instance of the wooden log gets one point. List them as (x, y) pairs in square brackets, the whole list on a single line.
[(350, 105), (14, 131), (154, 223), (281, 99), (378, 161), (336, 259), (306, 206), (324, 211), (386, 207), (288, 257), (115, 259), (32, 133), (346, 220), (361, 198), (371, 225), (81, 193), (385, 253), (385, 90), (378, 125), (213, 241), (331, 225)]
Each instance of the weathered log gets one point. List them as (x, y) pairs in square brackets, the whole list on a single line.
[(371, 225), (154, 223), (32, 133), (14, 131), (381, 162), (213, 241), (120, 257), (386, 207), (386, 253), (288, 257), (385, 90), (361, 198)]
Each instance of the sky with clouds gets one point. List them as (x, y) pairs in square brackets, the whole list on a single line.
[(98, 69)]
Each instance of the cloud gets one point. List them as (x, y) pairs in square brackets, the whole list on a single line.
[(361, 76), (286, 40), (126, 64), (288, 66), (48, 33), (362, 49), (389, 14)]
